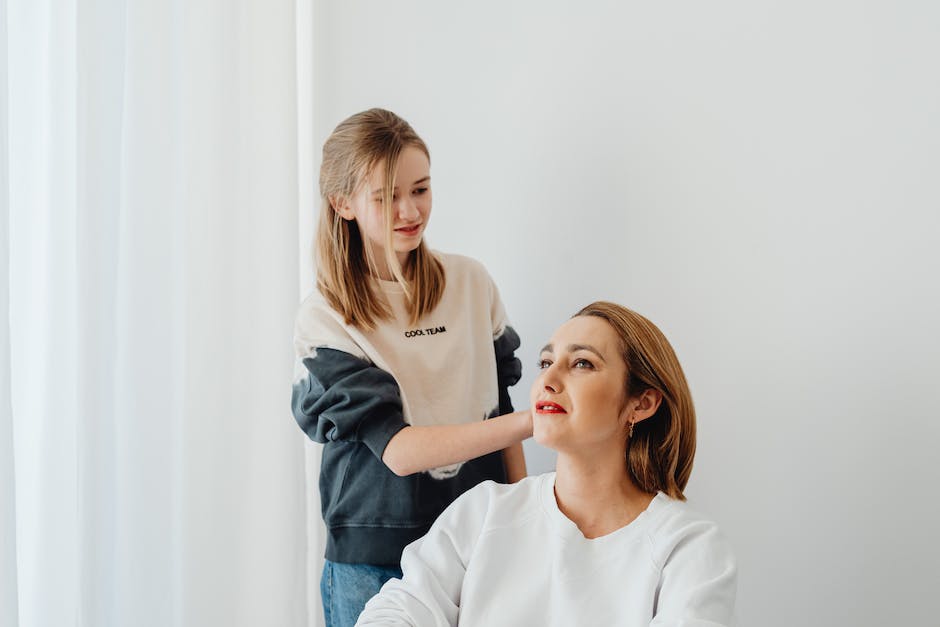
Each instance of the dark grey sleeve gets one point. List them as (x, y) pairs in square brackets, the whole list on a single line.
[(508, 366), (344, 398)]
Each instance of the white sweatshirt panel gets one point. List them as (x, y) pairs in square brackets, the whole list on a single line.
[(506, 556)]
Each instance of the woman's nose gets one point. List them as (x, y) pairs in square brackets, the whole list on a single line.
[(550, 380)]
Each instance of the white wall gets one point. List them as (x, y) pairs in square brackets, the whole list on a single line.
[(758, 178)]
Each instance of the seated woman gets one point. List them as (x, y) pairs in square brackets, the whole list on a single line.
[(604, 540)]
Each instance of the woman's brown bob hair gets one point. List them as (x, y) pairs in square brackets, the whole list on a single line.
[(661, 450), (358, 145)]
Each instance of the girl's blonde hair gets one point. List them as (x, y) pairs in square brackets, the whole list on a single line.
[(361, 143), (662, 447)]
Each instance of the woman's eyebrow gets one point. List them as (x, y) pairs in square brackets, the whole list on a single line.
[(586, 347), (549, 348)]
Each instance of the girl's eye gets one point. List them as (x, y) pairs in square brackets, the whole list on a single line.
[(420, 190), (543, 364), (583, 363)]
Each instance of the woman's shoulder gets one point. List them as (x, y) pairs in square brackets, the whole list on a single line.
[(673, 524), (668, 515), (500, 493), (500, 505)]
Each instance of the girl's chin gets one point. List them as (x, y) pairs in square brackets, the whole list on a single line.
[(408, 247)]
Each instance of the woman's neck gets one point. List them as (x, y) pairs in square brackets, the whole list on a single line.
[(597, 493)]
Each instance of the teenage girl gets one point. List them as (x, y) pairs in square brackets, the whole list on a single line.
[(407, 356)]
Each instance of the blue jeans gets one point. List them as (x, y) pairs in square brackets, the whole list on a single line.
[(345, 588)]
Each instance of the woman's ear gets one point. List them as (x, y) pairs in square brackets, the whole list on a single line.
[(646, 404), (341, 206)]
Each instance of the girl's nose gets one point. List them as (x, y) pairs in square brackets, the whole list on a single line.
[(407, 209)]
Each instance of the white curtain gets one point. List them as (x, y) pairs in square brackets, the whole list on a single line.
[(151, 176)]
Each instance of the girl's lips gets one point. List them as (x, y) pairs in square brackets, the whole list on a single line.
[(408, 230), (547, 407)]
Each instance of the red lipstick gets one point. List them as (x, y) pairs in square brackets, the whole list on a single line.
[(548, 407)]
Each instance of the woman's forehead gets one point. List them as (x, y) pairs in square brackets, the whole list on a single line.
[(586, 331)]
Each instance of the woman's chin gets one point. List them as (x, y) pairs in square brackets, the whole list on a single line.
[(545, 435)]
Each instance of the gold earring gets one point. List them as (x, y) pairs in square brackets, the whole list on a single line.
[(632, 422)]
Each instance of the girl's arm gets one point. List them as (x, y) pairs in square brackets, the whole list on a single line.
[(416, 449), (514, 458), (345, 398)]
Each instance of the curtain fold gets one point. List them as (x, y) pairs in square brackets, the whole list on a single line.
[(9, 590), (151, 472)]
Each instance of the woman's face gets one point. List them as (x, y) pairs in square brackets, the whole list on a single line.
[(578, 401)]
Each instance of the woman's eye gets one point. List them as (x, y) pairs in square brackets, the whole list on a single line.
[(583, 363), (543, 364), (420, 190)]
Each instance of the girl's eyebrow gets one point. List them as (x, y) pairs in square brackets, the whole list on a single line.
[(418, 182)]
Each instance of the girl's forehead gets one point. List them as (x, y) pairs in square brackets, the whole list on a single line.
[(412, 165)]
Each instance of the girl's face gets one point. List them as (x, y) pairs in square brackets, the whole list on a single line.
[(578, 400), (411, 207)]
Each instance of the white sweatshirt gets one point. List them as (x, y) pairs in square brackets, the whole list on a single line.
[(505, 555)]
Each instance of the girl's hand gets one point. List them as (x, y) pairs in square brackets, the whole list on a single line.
[(526, 422)]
